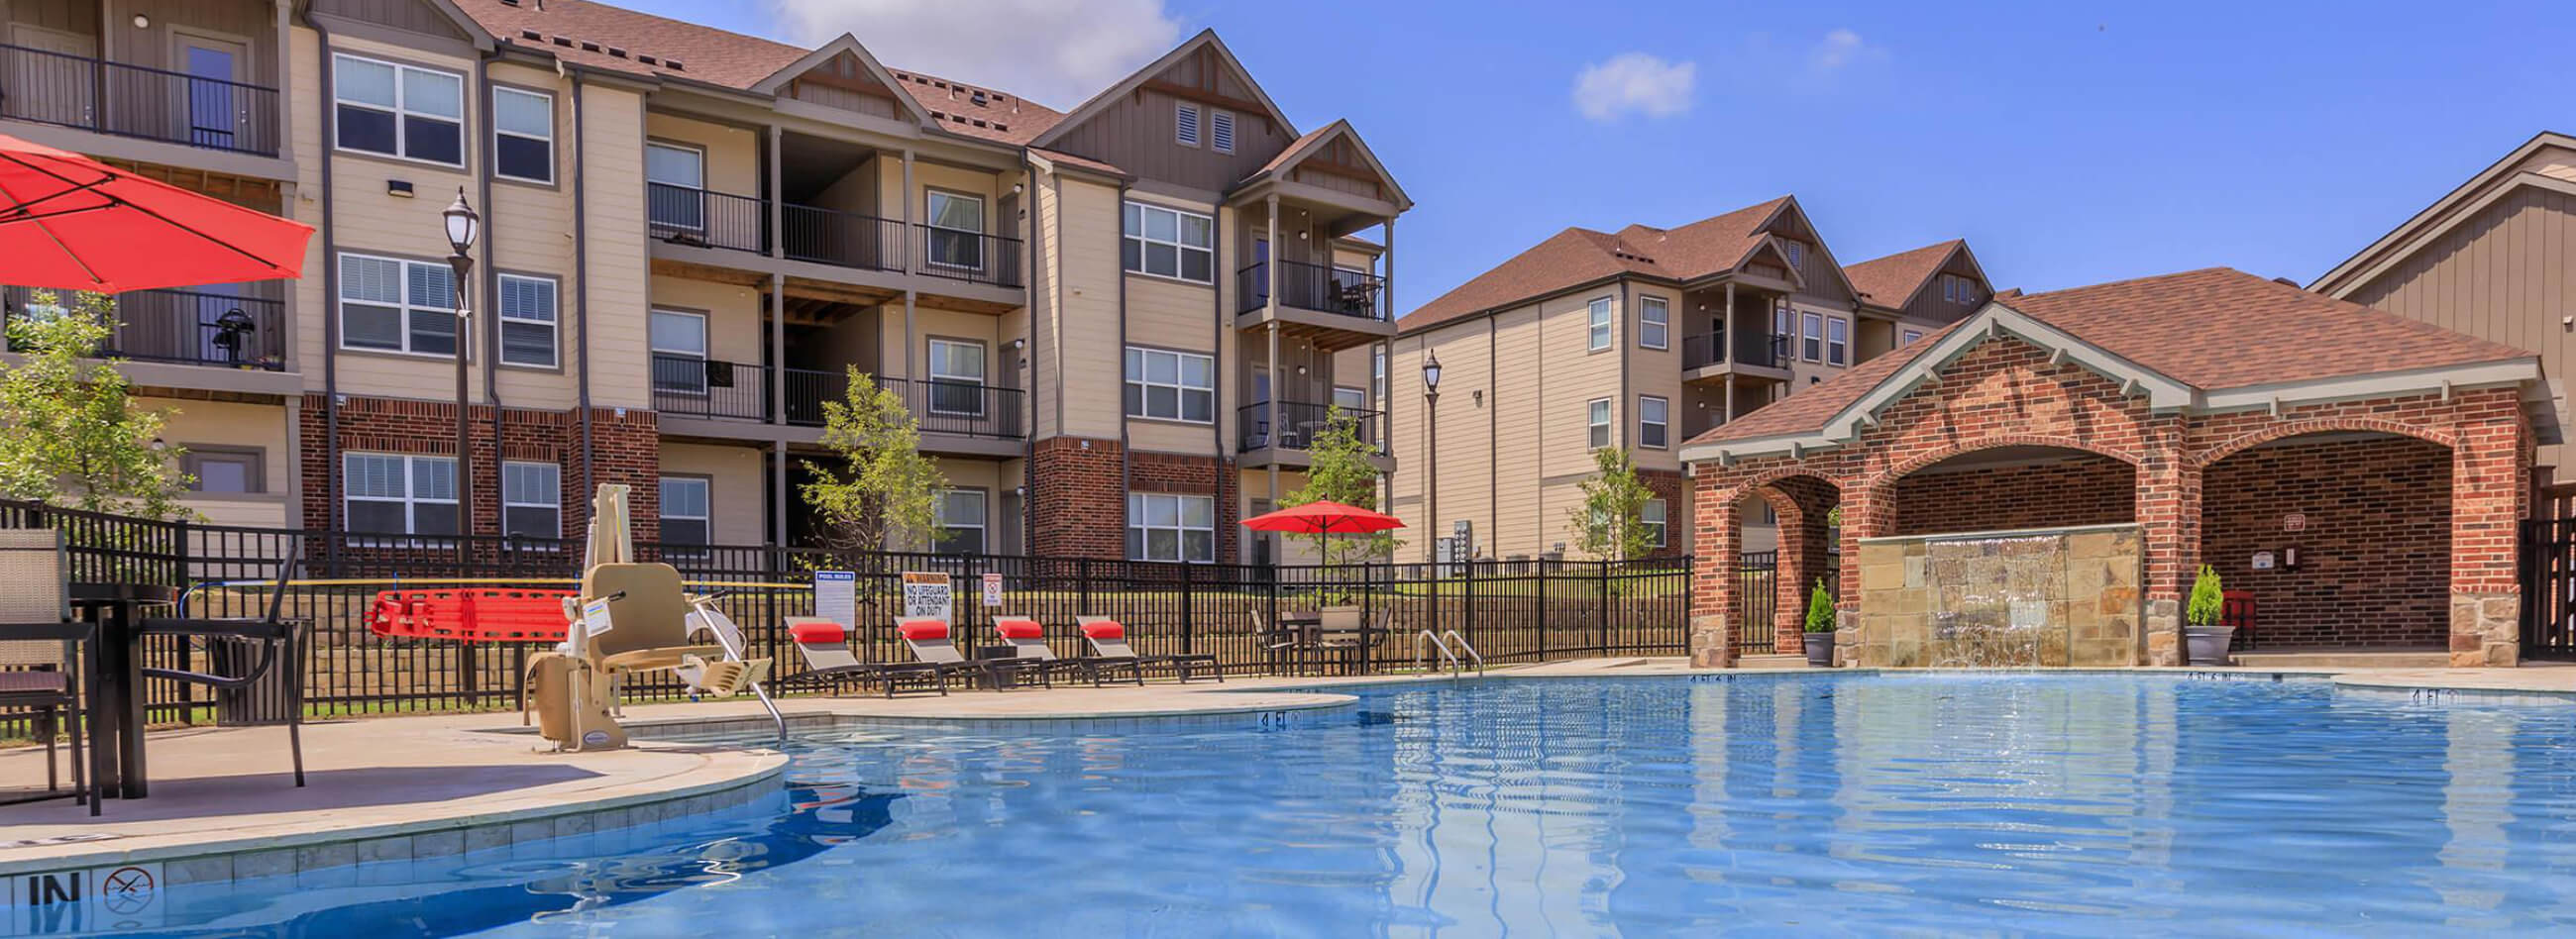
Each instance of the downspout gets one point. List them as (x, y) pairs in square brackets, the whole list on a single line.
[(1028, 349), (1126, 458), (1216, 420), (581, 271), (491, 314), (331, 511)]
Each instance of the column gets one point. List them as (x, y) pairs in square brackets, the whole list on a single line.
[(2490, 487), (1790, 574), (1715, 604), (1868, 512), (2168, 510), (777, 347), (1270, 310)]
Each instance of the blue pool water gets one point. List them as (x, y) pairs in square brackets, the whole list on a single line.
[(1859, 804)]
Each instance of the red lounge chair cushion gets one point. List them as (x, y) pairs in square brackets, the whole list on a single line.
[(1104, 629), (815, 633), (923, 630), (1019, 629)]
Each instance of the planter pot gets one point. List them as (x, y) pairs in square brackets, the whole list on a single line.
[(1820, 650), (2208, 644)]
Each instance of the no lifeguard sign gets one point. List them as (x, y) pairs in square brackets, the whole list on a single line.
[(927, 595)]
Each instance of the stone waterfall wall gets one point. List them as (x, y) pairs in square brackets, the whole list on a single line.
[(2038, 597)]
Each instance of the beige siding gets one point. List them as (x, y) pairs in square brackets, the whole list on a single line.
[(232, 425), (1656, 372), (530, 232), (733, 315), (734, 495), (1092, 379), (1517, 409), (612, 158), (733, 153), (1171, 314), (1046, 308)]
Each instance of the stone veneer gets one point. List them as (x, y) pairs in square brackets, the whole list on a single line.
[(2093, 615)]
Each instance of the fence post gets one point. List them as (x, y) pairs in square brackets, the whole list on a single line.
[(1082, 586), (1469, 601), (1188, 622), (1604, 568), (1542, 609)]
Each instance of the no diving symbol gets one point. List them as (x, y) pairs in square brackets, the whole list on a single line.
[(126, 890)]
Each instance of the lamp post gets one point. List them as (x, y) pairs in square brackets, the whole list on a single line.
[(1431, 447), (462, 226)]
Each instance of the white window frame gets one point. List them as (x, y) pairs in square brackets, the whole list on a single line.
[(973, 236), (1657, 515), (654, 349), (553, 323), (663, 509), (1663, 428), (553, 501), (1220, 130), (1138, 366), (1596, 423), (404, 307), (700, 225), (411, 500), (1659, 325), (499, 132), (1188, 132), (983, 525), (1811, 339), (401, 109), (938, 377), (1596, 331), (1837, 340), (1180, 527), (1909, 337), (1360, 393), (1179, 242), (1797, 254)]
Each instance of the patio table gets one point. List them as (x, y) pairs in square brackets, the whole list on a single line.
[(115, 680)]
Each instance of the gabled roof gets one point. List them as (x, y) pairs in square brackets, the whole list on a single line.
[(1894, 281), (978, 111), (1314, 142), (2516, 170), (2211, 339), (1578, 256), (846, 44), (1205, 40)]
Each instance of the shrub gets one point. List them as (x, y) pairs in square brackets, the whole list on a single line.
[(2207, 600), (1820, 609)]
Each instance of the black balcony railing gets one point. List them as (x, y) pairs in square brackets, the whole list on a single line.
[(706, 218), (969, 256), (694, 387), (133, 101), (943, 407), (1311, 287), (1760, 349), (828, 236), (239, 326), (1300, 424)]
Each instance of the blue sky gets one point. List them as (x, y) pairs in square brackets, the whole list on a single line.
[(2069, 142)]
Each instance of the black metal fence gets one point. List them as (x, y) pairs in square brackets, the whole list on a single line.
[(241, 326), (970, 256), (49, 87), (1299, 424), (1310, 287), (706, 218), (848, 239), (1510, 611)]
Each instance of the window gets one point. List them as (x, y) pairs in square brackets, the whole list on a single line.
[(1597, 416), (1910, 337), (961, 520), (956, 377), (224, 470), (1957, 289), (1813, 349), (685, 510), (532, 500), (399, 110), (1797, 255), (1171, 386), (1350, 400), (1164, 527), (523, 135), (1221, 131), (1654, 422), (1185, 124), (1652, 514), (527, 321), (1597, 334), (955, 237), (1654, 323), (1170, 243), (399, 495), (397, 306), (679, 342), (1837, 341), (675, 186)]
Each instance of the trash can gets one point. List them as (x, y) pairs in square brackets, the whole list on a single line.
[(264, 701)]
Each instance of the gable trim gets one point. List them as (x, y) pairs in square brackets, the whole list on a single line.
[(1206, 39), (2410, 231), (826, 52), (1337, 130), (1956, 249), (1832, 264), (2414, 243)]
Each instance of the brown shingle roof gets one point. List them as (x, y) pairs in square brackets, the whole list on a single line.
[(1580, 255), (1001, 116), (1891, 280), (2212, 328)]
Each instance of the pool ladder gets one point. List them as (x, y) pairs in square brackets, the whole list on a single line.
[(1425, 641)]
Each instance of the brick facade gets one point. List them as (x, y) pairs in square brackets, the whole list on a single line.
[(623, 450), (2374, 556), (1674, 489), (2082, 490), (1197, 476), (2006, 392), (1076, 506)]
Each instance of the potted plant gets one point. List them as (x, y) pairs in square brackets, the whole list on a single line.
[(1820, 627), (2203, 635)]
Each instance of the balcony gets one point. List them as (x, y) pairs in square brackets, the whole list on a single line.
[(963, 409), (1311, 287), (688, 386), (847, 239), (1300, 424), (230, 326), (1712, 353), (704, 218), (114, 98), (973, 257)]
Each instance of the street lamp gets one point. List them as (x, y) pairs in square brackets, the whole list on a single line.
[(462, 226), (1431, 446)]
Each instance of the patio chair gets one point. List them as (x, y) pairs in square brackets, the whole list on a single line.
[(37, 675), (1028, 641), (1108, 639), (1285, 639), (929, 642), (280, 641), (1343, 631), (826, 648)]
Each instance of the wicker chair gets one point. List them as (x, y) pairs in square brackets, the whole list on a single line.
[(38, 675)]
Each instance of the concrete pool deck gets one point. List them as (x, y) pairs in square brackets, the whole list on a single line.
[(223, 806)]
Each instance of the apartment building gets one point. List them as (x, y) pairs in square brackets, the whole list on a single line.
[(1640, 339), (690, 237), (2489, 259)]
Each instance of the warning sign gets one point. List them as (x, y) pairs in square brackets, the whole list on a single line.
[(928, 595)]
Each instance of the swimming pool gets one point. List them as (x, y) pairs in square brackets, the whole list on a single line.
[(2076, 803)]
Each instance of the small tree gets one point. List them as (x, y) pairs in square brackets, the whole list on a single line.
[(883, 492), (1610, 522), (2208, 601), (1820, 609), (1338, 469), (70, 433)]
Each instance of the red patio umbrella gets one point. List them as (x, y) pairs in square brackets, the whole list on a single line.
[(1323, 518), (68, 222)]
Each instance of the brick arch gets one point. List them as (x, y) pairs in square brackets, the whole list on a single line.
[(2266, 435), (1759, 481), (1890, 475)]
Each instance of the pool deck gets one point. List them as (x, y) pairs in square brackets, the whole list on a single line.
[(223, 806)]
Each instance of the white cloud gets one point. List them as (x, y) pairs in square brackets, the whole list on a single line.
[(1842, 47), (1050, 51), (1634, 83)]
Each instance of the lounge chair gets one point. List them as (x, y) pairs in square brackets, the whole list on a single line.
[(826, 648), (1028, 640), (929, 642), (1108, 639)]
